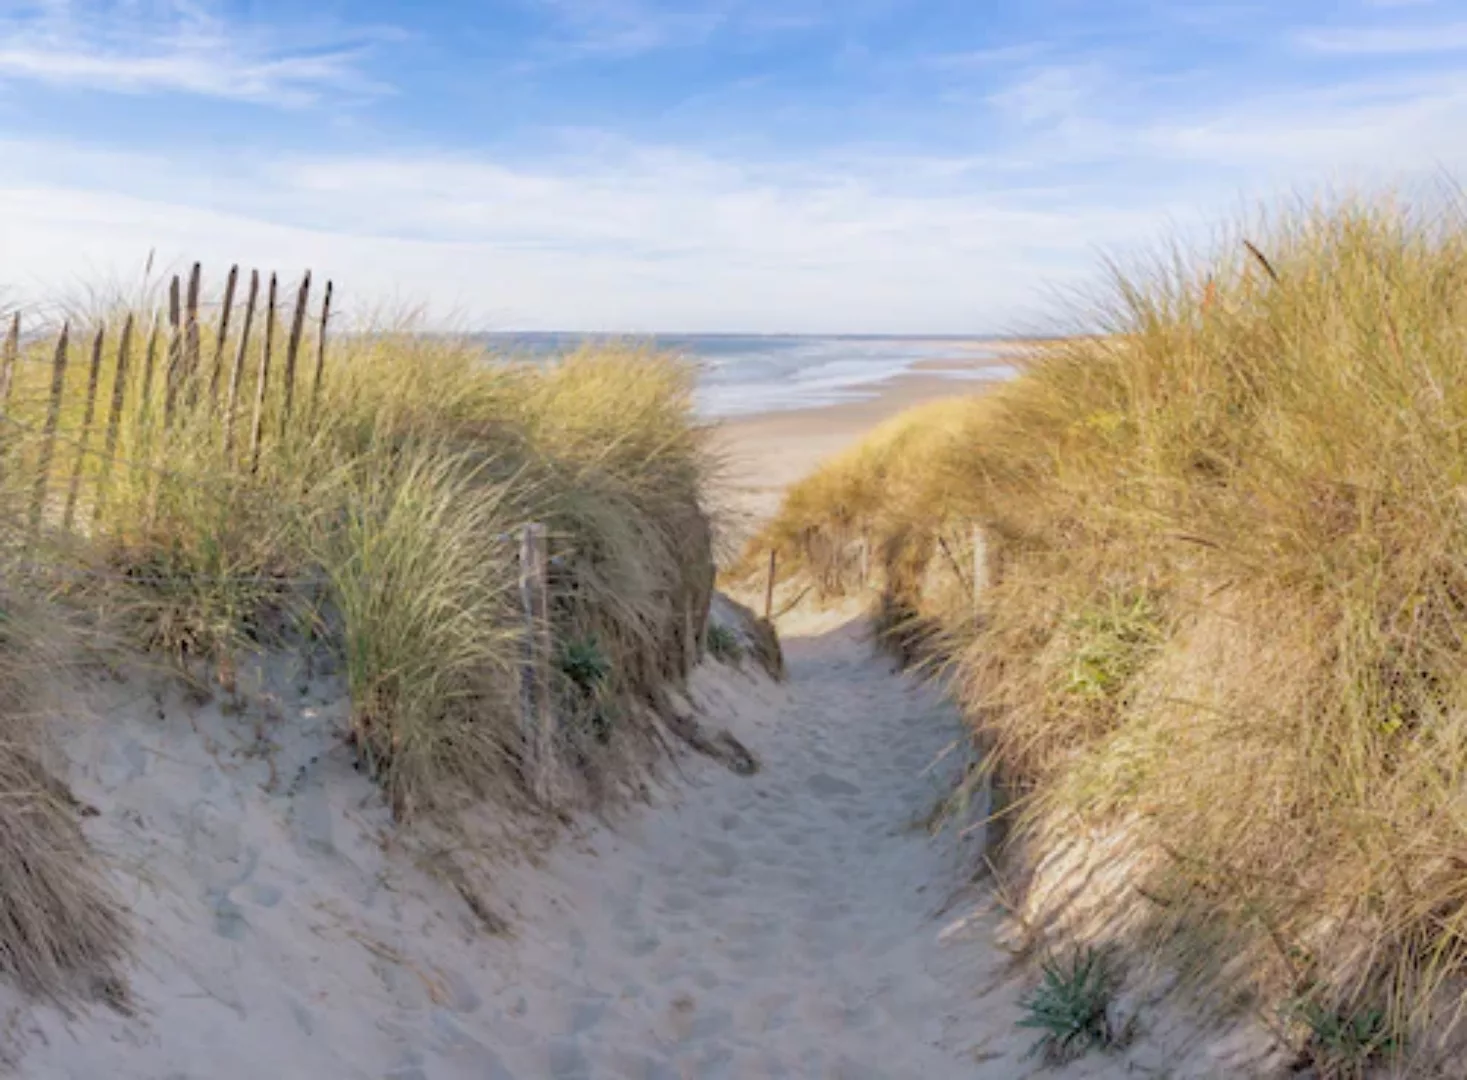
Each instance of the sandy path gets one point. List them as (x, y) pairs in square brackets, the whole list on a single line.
[(781, 925), (798, 923)]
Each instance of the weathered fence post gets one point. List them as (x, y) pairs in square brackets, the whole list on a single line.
[(150, 363), (980, 566), (48, 433), (769, 585), (191, 335), (145, 406), (537, 708), (114, 419), (8, 356), (217, 371), (292, 351), (321, 351), (174, 371), (88, 412), (236, 373), (258, 429)]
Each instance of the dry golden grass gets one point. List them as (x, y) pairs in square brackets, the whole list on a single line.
[(380, 522), (63, 935), (1229, 621)]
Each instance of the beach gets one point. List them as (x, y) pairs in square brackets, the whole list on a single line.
[(765, 452)]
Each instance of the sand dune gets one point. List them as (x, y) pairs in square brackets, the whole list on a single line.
[(796, 923)]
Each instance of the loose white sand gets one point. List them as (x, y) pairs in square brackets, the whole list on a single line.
[(797, 923)]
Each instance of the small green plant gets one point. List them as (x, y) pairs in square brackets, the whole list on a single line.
[(1071, 1007), (584, 664), (723, 643), (1112, 642), (1344, 1047)]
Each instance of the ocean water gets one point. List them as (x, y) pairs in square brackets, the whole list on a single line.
[(743, 374)]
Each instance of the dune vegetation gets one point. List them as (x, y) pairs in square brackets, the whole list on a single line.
[(379, 524), (1219, 661)]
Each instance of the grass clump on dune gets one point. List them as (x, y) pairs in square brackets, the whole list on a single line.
[(1228, 618), (382, 517), (381, 520)]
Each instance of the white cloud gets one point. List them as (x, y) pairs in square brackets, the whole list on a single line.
[(617, 236), (177, 46), (1047, 94), (630, 27), (1386, 40), (654, 240)]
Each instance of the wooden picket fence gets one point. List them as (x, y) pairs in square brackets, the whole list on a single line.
[(176, 335), (185, 377)]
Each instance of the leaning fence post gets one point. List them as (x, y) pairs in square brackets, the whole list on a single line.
[(292, 350), (258, 428), (980, 565), (8, 357), (114, 418), (88, 412), (150, 363), (321, 351), (769, 585), (217, 371), (236, 374), (48, 433), (174, 371), (191, 334), (537, 714)]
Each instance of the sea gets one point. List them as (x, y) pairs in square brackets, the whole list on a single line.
[(740, 374)]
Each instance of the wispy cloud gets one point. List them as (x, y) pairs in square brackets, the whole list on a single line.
[(625, 28), (630, 27), (180, 47), (1386, 40), (1048, 94)]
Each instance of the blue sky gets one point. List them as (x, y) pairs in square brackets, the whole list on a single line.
[(941, 166)]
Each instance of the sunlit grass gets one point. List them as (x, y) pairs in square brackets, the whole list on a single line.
[(1229, 617)]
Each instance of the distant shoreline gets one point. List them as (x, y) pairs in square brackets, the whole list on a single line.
[(764, 453)]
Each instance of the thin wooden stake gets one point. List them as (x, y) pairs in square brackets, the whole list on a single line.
[(175, 353), (292, 350), (191, 333), (980, 566), (114, 418), (321, 351), (48, 433), (236, 374), (262, 385), (145, 404), (538, 716), (88, 413), (150, 362), (217, 371), (8, 356), (769, 586)]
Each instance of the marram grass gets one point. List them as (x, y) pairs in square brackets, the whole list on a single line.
[(1228, 626)]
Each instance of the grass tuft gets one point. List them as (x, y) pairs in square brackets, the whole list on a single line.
[(723, 643)]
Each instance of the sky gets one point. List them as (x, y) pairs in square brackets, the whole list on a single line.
[(634, 166)]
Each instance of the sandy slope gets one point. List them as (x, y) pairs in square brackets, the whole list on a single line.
[(796, 923)]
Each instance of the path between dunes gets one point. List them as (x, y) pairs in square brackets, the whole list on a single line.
[(797, 923)]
